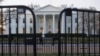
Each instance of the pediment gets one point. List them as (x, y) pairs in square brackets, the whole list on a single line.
[(48, 8)]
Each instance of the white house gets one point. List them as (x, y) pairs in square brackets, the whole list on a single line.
[(46, 21)]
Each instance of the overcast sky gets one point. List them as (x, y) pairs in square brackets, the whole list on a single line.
[(76, 3)]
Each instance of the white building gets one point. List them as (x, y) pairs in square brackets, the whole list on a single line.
[(46, 21)]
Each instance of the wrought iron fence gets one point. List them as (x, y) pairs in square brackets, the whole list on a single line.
[(78, 34), (12, 41), (81, 32)]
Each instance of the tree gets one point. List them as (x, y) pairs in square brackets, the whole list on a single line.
[(1, 20), (91, 23), (1, 23)]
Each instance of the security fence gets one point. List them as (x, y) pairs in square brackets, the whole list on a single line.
[(10, 38), (82, 30), (78, 33)]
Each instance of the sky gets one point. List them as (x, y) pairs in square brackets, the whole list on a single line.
[(75, 3)]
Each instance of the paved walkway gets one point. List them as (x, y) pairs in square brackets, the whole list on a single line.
[(48, 48)]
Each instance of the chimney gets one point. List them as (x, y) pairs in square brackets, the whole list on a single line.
[(36, 6), (63, 6)]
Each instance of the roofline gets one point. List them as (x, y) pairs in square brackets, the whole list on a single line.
[(46, 6)]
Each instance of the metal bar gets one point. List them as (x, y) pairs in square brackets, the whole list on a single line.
[(89, 32), (83, 33), (9, 33), (25, 34), (34, 32), (77, 34), (71, 37), (94, 30), (2, 29), (59, 33), (21, 6), (17, 32), (65, 35), (99, 33)]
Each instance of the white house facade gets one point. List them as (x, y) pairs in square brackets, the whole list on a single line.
[(46, 21)]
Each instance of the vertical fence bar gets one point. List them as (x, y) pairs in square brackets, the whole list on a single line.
[(59, 34), (99, 33), (88, 33), (83, 33), (94, 31), (77, 34), (17, 32), (65, 35), (59, 43), (25, 34), (9, 32), (2, 30), (71, 37), (34, 37)]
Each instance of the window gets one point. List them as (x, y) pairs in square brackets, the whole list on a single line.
[(24, 30), (16, 20), (41, 29), (49, 31), (76, 20), (31, 30), (31, 20), (23, 20), (41, 21), (57, 30), (68, 19), (68, 29), (16, 30), (49, 26)]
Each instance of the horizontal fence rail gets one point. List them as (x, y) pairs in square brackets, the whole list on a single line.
[(80, 31)]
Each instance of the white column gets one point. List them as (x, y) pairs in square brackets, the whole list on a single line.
[(53, 24), (36, 24), (63, 24), (44, 24)]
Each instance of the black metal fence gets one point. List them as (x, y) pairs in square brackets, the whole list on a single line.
[(78, 34), (81, 32), (14, 44)]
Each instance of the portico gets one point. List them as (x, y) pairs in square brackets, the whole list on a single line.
[(48, 19), (48, 23)]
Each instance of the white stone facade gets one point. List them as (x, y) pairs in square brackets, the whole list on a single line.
[(46, 21)]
